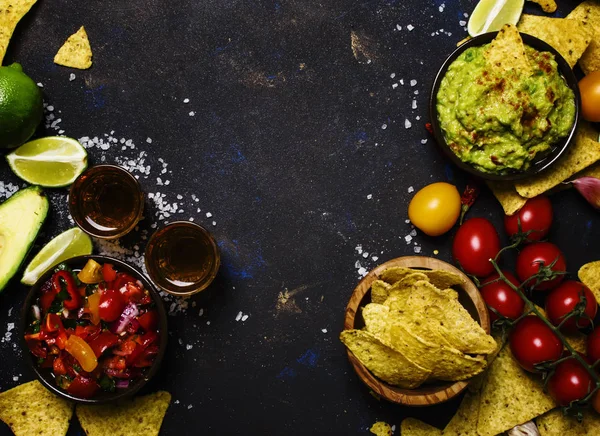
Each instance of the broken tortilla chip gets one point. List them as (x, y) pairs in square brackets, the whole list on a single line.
[(583, 152), (588, 12), (510, 396), (555, 423), (76, 51), (31, 409), (507, 195), (464, 422), (547, 5), (141, 416), (384, 362), (414, 427), (381, 428), (11, 12), (569, 37), (589, 274), (507, 51)]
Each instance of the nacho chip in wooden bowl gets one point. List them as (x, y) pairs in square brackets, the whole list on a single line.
[(380, 343)]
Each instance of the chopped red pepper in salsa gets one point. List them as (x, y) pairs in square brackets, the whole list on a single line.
[(95, 337)]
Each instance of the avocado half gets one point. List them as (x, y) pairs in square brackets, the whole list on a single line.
[(21, 217)]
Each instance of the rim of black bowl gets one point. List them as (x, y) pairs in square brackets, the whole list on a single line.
[(540, 163), (44, 375)]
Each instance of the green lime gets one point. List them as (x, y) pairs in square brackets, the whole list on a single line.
[(491, 15), (52, 162), (68, 244), (21, 106)]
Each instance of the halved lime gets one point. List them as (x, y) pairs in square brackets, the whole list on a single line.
[(491, 15), (52, 162), (70, 243)]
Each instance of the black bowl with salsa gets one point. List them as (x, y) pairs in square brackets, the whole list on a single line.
[(95, 330), (542, 160)]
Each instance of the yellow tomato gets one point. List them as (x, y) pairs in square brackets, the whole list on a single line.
[(435, 208), (82, 352)]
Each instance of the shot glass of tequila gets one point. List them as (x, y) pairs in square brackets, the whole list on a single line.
[(106, 201), (182, 258)]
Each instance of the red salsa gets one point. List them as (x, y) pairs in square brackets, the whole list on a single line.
[(96, 330)]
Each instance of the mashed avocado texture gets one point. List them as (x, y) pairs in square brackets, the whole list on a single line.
[(499, 120)]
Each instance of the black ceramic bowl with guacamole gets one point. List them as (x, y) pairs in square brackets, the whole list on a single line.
[(504, 123)]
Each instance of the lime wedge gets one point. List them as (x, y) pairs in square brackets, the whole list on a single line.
[(51, 162), (491, 15), (68, 244)]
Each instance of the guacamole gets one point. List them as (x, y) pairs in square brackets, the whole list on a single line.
[(499, 120)]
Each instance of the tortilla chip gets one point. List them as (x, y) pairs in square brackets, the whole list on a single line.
[(380, 290), (11, 12), (477, 382), (445, 363), (31, 409), (581, 154), (556, 424), (376, 321), (464, 422), (577, 340), (507, 51), (569, 37), (142, 416), (381, 428), (547, 5), (507, 195), (431, 312), (589, 274), (384, 362), (438, 278), (76, 51), (591, 171), (510, 396), (414, 427), (588, 12)]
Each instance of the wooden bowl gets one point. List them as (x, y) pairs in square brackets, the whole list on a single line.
[(430, 393)]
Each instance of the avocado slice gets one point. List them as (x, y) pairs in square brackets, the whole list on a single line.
[(21, 217)]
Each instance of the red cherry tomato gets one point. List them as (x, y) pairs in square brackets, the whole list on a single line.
[(500, 296), (111, 305), (570, 382), (475, 243), (83, 387), (535, 216), (533, 256), (589, 87), (563, 299), (533, 342), (593, 346)]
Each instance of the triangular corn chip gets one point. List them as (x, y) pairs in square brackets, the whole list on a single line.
[(507, 195), (141, 416), (75, 52), (31, 409), (589, 274), (507, 51), (11, 12), (588, 13), (464, 422), (414, 427), (555, 423)]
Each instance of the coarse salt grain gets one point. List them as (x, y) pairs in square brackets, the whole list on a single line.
[(407, 124), (244, 318), (71, 77), (324, 330), (370, 196), (410, 27), (239, 316), (411, 189)]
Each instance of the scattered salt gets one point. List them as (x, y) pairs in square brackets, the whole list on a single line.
[(71, 77), (324, 330), (370, 196), (407, 124), (239, 316), (411, 189)]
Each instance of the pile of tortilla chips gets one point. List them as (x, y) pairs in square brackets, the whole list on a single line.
[(505, 396), (417, 331), (577, 39), (30, 409)]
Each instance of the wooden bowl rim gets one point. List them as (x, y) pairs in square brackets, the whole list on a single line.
[(423, 396)]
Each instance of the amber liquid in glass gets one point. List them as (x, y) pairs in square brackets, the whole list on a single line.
[(106, 201), (182, 258)]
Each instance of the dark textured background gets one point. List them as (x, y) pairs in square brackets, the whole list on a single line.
[(285, 145)]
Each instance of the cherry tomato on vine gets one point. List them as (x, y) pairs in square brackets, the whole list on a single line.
[(535, 216), (501, 297), (564, 298), (435, 208), (111, 305), (593, 345), (533, 342), (475, 243), (589, 87), (531, 258), (569, 382)]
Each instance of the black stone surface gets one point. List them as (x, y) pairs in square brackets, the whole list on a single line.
[(286, 143)]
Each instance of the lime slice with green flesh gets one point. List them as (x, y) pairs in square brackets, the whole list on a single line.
[(491, 15), (51, 162), (70, 243)]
